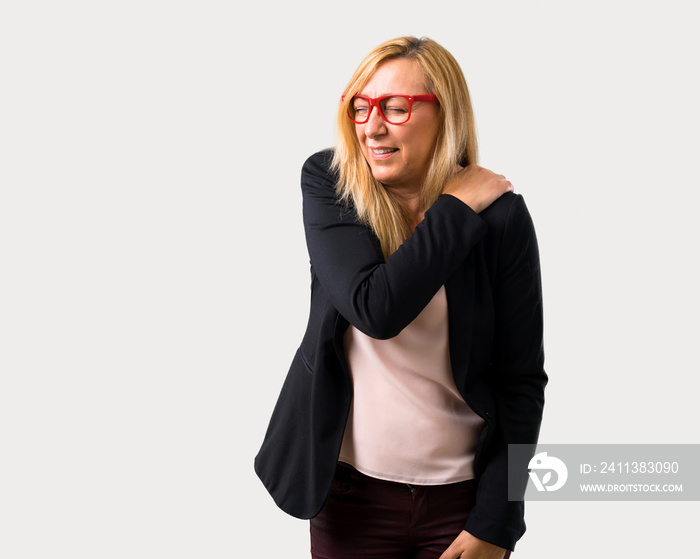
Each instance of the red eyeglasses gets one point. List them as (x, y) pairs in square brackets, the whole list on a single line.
[(394, 109)]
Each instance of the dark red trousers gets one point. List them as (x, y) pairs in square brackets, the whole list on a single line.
[(370, 518)]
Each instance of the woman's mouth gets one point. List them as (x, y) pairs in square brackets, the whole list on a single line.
[(383, 153)]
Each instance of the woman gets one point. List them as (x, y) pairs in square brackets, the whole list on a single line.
[(422, 359)]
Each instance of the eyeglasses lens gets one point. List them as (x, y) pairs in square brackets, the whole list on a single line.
[(394, 109)]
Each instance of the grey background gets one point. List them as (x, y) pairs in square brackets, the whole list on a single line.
[(642, 472), (154, 281)]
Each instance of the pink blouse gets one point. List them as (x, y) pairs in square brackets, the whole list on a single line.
[(408, 423)]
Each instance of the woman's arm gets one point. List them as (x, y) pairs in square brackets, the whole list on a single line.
[(517, 377), (381, 297)]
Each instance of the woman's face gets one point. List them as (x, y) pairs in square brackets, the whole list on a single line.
[(399, 155)]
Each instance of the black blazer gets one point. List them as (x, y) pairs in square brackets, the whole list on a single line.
[(489, 264)]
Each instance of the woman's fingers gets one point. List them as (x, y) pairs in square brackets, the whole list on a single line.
[(477, 187), (466, 546)]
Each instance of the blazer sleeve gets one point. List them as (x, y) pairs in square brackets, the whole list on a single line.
[(380, 297), (517, 378)]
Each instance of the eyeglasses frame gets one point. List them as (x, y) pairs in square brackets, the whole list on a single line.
[(374, 102)]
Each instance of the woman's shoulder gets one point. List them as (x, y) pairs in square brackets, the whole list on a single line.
[(507, 212), (319, 181), (318, 178), (511, 233), (319, 163)]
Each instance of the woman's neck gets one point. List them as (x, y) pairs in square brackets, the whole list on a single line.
[(411, 203)]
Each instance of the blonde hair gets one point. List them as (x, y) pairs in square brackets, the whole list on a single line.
[(455, 144)]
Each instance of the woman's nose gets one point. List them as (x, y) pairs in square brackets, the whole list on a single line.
[(375, 126)]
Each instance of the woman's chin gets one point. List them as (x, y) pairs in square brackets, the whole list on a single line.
[(384, 177)]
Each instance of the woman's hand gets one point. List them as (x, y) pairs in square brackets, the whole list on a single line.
[(477, 187), (467, 546)]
